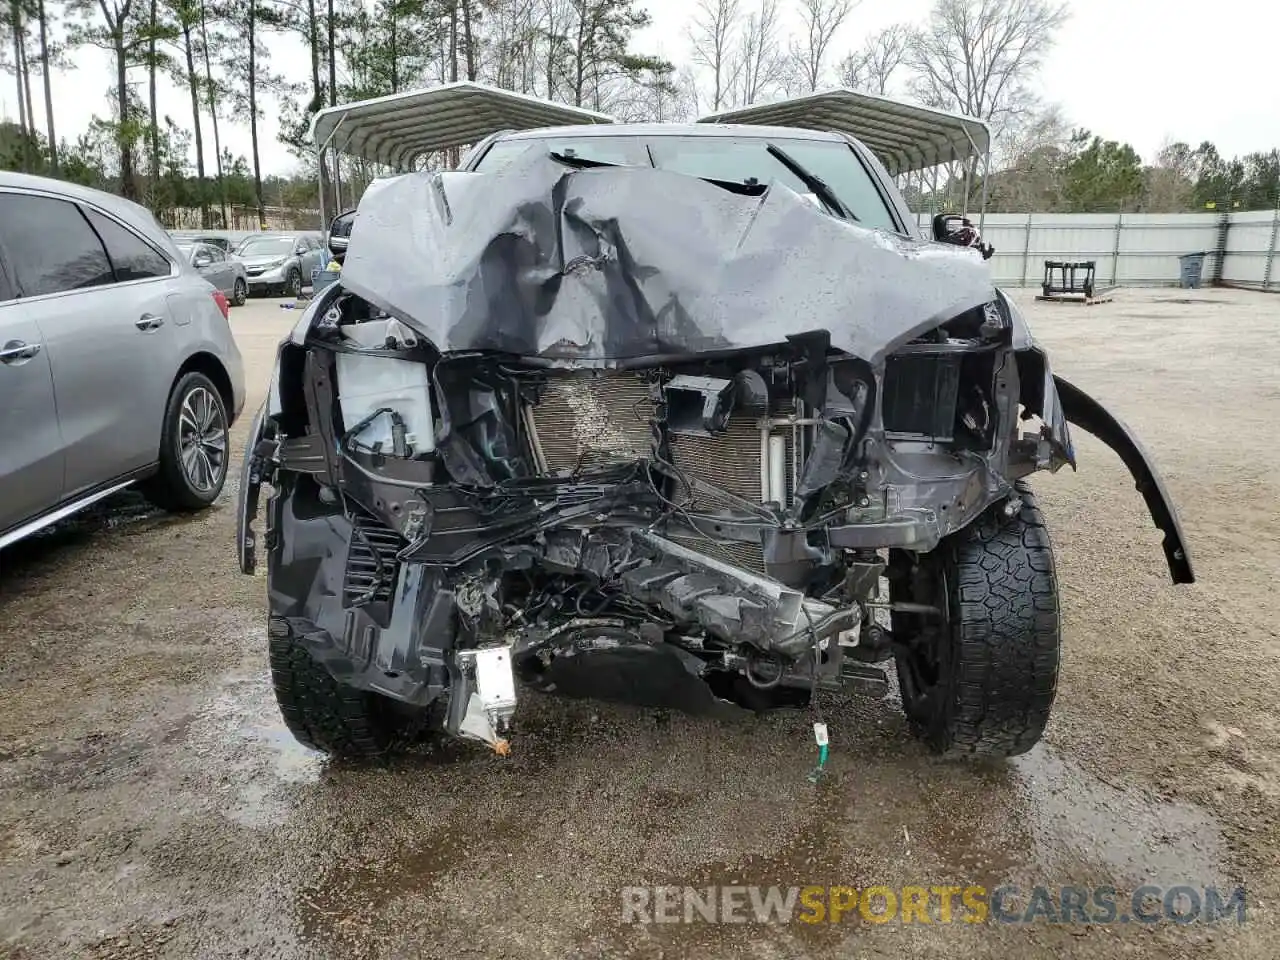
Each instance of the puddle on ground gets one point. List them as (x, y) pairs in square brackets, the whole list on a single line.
[(239, 732), (357, 890), (1136, 835)]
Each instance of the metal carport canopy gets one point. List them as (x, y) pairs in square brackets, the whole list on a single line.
[(396, 129), (906, 137)]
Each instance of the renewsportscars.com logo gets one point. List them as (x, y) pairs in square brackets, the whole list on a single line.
[(932, 904)]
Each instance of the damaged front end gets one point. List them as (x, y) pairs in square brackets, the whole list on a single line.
[(597, 510)]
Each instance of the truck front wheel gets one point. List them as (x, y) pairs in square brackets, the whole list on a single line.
[(979, 676)]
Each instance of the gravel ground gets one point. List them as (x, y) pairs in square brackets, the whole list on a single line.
[(152, 805)]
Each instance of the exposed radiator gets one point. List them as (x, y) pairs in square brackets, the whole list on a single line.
[(593, 418), (730, 462)]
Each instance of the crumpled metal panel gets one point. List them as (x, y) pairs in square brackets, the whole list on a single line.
[(543, 260)]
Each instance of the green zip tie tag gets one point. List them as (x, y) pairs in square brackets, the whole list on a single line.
[(820, 735)]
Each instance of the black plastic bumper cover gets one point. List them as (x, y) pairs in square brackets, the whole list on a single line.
[(1091, 416)]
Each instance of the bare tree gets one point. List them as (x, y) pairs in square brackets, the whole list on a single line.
[(872, 67), (1031, 162), (47, 63), (976, 56), (759, 55), (820, 20), (24, 68), (711, 35), (14, 23), (513, 39), (118, 27), (212, 91)]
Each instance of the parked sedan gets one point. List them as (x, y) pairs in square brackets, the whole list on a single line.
[(280, 262), (117, 364), (224, 272)]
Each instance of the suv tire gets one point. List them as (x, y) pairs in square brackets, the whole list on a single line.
[(319, 711), (981, 679), (293, 284), (194, 447), (239, 293)]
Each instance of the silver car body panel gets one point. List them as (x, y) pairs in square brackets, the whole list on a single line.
[(222, 270)]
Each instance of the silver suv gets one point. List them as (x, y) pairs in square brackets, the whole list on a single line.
[(280, 262), (117, 364)]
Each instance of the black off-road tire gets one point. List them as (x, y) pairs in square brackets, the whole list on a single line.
[(171, 487), (321, 712), (998, 648)]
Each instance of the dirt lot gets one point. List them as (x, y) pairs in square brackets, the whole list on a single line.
[(151, 804)]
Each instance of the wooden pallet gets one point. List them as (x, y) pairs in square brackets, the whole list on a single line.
[(1073, 298)]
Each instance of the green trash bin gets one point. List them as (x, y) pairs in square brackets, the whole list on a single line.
[(1192, 271)]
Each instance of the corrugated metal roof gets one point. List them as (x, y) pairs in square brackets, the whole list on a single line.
[(395, 129), (905, 136)]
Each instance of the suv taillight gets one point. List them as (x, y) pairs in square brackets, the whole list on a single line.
[(220, 299)]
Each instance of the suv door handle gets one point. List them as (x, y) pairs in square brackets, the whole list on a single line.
[(16, 350), (149, 321)]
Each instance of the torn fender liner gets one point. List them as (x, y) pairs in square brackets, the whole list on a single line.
[(541, 260), (1091, 416)]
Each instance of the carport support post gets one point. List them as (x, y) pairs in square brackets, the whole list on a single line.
[(1026, 249), (1271, 248), (321, 148), (320, 184), (1115, 248), (986, 171)]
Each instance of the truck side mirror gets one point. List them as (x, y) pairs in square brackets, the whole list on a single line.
[(946, 225), (958, 230), (340, 234)]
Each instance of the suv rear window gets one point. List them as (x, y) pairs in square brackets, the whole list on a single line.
[(735, 159), (132, 257)]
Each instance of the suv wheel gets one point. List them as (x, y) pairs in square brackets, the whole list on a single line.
[(980, 677), (326, 715), (194, 447), (293, 284), (239, 293)]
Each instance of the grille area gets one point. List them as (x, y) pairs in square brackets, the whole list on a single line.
[(592, 418), (373, 548), (730, 462), (587, 418)]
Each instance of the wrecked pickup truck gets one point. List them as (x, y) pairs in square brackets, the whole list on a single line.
[(686, 416)]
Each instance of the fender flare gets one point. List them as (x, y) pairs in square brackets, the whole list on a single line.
[(1091, 416)]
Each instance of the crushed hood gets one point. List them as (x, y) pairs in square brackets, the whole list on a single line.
[(543, 260)]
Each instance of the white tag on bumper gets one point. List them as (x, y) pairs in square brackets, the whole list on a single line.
[(493, 701)]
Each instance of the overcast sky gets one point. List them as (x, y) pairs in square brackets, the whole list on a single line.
[(1145, 71)]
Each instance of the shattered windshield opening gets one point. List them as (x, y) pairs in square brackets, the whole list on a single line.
[(727, 158), (741, 160)]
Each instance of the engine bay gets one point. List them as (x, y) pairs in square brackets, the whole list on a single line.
[(712, 530)]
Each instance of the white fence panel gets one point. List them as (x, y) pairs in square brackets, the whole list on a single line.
[(1131, 249), (1250, 245), (1150, 244)]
